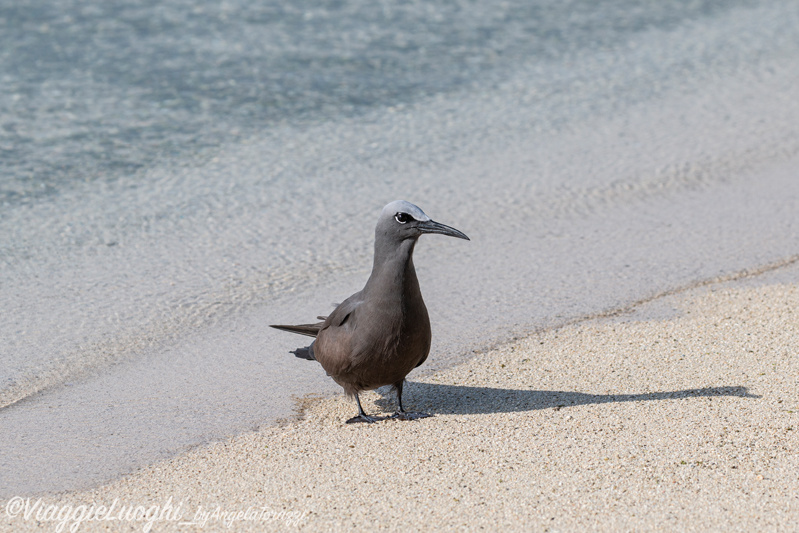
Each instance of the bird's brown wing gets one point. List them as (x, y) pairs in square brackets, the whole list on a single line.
[(342, 312), (333, 347)]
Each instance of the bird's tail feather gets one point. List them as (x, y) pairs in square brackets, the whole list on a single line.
[(305, 353), (310, 330)]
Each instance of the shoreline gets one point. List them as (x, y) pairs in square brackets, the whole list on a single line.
[(587, 180), (687, 420)]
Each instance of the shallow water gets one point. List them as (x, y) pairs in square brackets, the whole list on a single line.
[(96, 90), (171, 187)]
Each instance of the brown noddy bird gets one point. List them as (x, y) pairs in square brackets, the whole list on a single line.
[(379, 334)]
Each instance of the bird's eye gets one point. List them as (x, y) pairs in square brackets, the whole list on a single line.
[(403, 218)]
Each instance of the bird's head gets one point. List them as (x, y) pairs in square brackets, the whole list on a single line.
[(401, 220)]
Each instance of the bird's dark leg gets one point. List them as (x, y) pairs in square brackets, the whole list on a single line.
[(362, 417), (401, 414)]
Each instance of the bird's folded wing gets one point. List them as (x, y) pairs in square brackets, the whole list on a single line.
[(342, 313)]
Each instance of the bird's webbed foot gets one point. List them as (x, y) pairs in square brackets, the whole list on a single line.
[(363, 418), (402, 415)]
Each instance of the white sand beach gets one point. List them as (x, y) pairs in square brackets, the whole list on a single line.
[(684, 421)]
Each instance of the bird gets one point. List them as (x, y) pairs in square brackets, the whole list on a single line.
[(379, 334)]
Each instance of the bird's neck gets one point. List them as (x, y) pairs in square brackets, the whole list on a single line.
[(393, 273)]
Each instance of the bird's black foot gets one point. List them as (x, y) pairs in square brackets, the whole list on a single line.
[(402, 415), (362, 418)]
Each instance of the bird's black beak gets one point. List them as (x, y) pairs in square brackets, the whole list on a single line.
[(430, 226)]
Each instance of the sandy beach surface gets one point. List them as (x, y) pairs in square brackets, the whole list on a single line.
[(677, 414)]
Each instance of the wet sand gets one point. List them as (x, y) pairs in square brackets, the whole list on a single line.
[(679, 414)]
